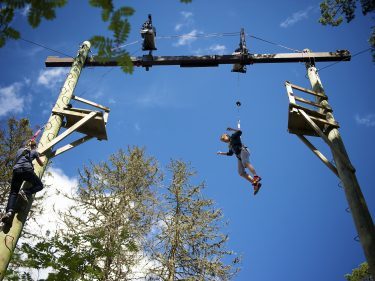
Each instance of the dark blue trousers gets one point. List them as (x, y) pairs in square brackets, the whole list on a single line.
[(19, 176)]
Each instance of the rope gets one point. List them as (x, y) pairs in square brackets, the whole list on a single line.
[(273, 43), (45, 47), (97, 84), (356, 54), (238, 103), (182, 36), (200, 35)]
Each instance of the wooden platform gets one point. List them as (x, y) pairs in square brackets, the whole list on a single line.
[(94, 127), (297, 123)]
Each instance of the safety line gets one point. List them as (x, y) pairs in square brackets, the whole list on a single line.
[(45, 47), (356, 54), (273, 43)]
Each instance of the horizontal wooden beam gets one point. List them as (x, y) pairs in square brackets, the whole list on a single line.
[(70, 146), (308, 91), (211, 60)]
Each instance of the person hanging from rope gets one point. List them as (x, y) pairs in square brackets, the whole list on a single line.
[(243, 155), (23, 170)]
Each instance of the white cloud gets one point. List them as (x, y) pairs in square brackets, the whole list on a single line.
[(50, 78), (296, 17), (25, 11), (151, 99), (57, 183), (178, 26), (219, 49), (187, 39), (186, 21), (137, 127), (216, 49), (187, 15), (98, 94), (10, 100), (158, 96), (368, 120)]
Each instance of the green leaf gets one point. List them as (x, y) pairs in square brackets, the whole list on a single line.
[(2, 40), (33, 17), (12, 33), (105, 5), (360, 273), (125, 11), (6, 15), (104, 46), (106, 14)]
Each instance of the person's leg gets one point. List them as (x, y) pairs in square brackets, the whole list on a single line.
[(242, 172), (251, 168), (16, 183), (245, 156), (34, 180)]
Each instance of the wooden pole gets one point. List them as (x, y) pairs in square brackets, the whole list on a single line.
[(9, 237), (360, 213)]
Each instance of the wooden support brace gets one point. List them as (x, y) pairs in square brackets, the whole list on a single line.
[(68, 131), (326, 140), (289, 90), (318, 154), (312, 103), (320, 117), (106, 109), (307, 91), (69, 146)]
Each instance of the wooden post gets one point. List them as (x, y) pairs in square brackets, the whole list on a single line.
[(9, 237), (361, 215)]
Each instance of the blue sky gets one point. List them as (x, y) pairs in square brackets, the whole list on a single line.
[(296, 228)]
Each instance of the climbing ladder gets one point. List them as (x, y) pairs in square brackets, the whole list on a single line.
[(310, 121), (300, 116)]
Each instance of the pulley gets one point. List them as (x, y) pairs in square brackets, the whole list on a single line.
[(238, 103), (148, 33), (240, 51)]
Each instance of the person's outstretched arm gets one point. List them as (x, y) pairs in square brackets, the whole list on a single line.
[(40, 162), (232, 129)]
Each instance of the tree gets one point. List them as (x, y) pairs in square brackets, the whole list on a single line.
[(105, 228), (333, 11), (188, 244), (13, 134), (37, 10), (108, 47), (12, 137), (361, 273), (117, 225)]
